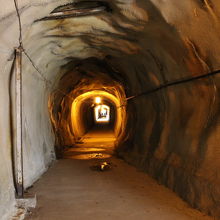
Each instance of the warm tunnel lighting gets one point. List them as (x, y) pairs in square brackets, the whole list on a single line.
[(76, 110), (90, 156), (98, 100)]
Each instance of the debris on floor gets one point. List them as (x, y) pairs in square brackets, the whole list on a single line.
[(98, 155), (20, 214), (79, 142), (101, 166)]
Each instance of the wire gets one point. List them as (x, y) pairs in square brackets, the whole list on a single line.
[(177, 82), (21, 43), (36, 68), (19, 22), (27, 55), (43, 77)]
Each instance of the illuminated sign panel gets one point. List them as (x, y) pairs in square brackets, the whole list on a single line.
[(102, 113)]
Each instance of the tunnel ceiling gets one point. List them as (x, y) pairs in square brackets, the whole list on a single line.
[(157, 40)]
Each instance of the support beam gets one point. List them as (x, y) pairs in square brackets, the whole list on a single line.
[(18, 151)]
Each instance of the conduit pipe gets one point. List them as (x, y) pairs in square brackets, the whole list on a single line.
[(18, 150)]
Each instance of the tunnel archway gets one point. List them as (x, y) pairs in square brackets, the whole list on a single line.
[(77, 113), (71, 103)]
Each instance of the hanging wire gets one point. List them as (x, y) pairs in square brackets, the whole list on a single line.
[(19, 22), (177, 82), (36, 68), (48, 82)]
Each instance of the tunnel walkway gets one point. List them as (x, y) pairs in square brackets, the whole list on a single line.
[(98, 143), (99, 135), (71, 189)]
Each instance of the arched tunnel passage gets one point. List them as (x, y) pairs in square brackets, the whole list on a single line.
[(73, 113), (97, 120), (83, 113), (123, 49)]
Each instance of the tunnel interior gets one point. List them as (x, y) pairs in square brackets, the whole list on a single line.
[(94, 115), (72, 104), (144, 59)]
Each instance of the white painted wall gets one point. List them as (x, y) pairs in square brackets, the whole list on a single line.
[(38, 139)]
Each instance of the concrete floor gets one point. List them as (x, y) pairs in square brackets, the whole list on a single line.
[(71, 190)]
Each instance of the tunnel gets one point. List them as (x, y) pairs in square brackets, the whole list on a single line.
[(131, 84), (94, 112)]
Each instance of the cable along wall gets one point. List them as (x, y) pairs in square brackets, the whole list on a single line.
[(174, 131)]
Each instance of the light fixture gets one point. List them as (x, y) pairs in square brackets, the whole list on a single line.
[(97, 100)]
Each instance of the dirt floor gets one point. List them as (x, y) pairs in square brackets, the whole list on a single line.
[(76, 188)]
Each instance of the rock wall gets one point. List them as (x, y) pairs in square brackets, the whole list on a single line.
[(178, 143), (80, 82), (38, 137), (7, 199), (171, 134)]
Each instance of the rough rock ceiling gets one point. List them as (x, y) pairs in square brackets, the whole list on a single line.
[(140, 44), (168, 36)]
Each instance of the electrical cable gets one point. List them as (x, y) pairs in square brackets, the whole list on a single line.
[(177, 82), (48, 82), (27, 55), (36, 68), (19, 22)]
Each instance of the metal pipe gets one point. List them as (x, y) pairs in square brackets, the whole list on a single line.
[(19, 150)]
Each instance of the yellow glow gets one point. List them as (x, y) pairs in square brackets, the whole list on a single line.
[(97, 100), (86, 149), (89, 156), (76, 106)]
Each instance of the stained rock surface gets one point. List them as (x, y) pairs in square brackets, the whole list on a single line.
[(125, 47)]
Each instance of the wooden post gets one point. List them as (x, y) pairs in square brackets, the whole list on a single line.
[(18, 151)]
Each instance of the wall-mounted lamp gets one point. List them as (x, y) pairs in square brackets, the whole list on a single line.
[(98, 100)]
